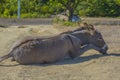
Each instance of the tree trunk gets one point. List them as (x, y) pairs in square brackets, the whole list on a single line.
[(71, 11)]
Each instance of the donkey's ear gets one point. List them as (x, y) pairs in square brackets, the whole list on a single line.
[(85, 24), (91, 27)]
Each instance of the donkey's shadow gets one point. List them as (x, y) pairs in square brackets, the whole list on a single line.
[(71, 61), (85, 58)]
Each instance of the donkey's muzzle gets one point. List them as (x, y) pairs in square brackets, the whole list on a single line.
[(104, 49)]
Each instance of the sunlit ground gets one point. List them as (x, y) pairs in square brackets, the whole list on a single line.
[(90, 66)]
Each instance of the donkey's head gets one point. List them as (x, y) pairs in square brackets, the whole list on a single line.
[(88, 35), (97, 40)]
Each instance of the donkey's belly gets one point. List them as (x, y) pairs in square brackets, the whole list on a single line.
[(37, 57)]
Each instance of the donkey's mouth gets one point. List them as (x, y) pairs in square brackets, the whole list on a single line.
[(104, 49), (103, 52)]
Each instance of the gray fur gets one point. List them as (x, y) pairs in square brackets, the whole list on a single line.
[(32, 50), (46, 50)]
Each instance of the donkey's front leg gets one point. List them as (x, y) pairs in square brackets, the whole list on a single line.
[(80, 51), (83, 49)]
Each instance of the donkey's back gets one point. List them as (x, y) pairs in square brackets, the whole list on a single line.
[(40, 50)]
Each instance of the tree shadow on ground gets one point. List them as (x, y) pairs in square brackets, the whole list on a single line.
[(70, 61)]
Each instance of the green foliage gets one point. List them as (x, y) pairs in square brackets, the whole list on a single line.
[(46, 8), (64, 23), (69, 23), (101, 8), (6, 13), (56, 20)]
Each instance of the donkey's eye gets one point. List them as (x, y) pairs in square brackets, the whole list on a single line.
[(99, 38)]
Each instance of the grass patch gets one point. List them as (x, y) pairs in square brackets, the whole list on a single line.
[(68, 23), (64, 22)]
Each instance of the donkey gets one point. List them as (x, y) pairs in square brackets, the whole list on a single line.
[(33, 50), (44, 50)]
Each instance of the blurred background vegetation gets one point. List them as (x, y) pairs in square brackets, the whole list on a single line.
[(47, 8)]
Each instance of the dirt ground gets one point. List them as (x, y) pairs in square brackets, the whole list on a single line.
[(90, 66)]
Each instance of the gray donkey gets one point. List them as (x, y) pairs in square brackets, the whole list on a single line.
[(32, 50), (89, 35)]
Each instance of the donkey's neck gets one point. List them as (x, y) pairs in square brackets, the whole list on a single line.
[(83, 35)]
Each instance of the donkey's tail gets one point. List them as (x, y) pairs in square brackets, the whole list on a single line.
[(5, 57)]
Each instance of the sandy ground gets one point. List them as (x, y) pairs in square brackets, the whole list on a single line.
[(90, 66)]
